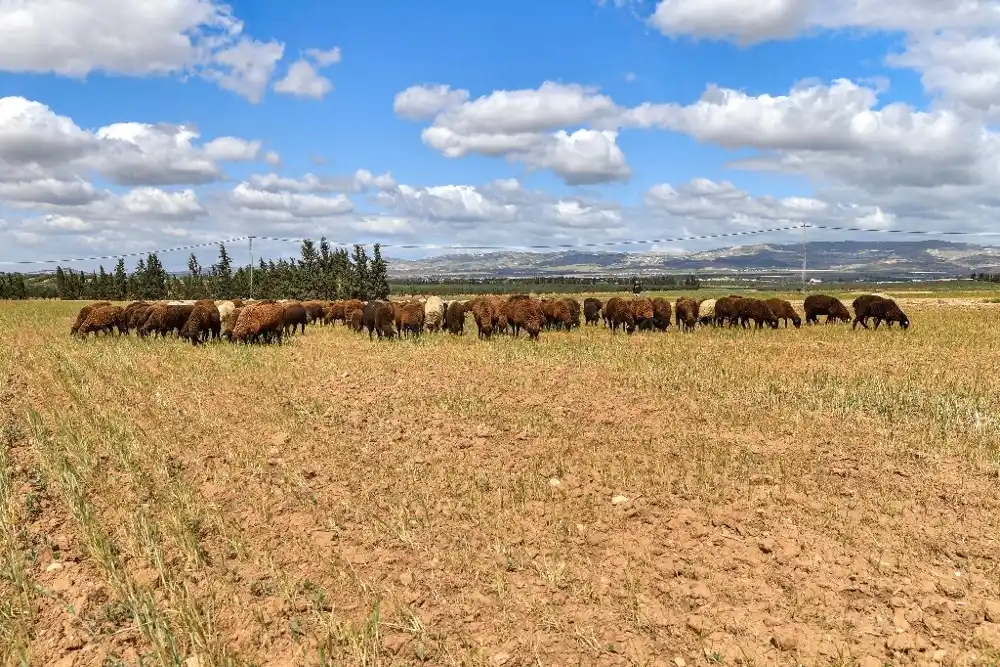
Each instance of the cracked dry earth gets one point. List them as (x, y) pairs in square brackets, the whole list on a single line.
[(786, 497)]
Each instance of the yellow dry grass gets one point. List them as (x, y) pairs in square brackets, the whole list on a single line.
[(818, 496)]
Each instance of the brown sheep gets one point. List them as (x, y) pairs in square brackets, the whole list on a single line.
[(523, 312), (411, 320), (557, 314), (382, 318), (228, 323), (238, 303), (138, 316), (486, 313), (356, 320), (335, 312), (592, 310), (642, 313), (880, 309), (103, 318), (661, 313), (163, 320), (824, 304), (727, 310), (758, 311), (686, 313), (314, 310), (618, 314), (294, 315), (203, 323), (455, 318), (783, 311), (261, 322), (574, 311), (81, 317)]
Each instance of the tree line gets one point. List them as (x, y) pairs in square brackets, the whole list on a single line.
[(986, 277), (319, 272)]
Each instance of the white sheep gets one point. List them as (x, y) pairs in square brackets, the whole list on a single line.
[(706, 311), (433, 313)]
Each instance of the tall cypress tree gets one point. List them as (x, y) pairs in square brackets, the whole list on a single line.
[(222, 275), (361, 287), (379, 274), (120, 281)]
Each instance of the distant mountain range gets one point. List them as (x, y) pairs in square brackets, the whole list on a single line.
[(937, 258)]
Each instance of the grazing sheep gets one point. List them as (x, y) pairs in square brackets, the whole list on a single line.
[(783, 311), (434, 311), (411, 319), (758, 311), (81, 317), (337, 312), (686, 310), (261, 322), (225, 307), (642, 313), (618, 314), (823, 304), (137, 318), (203, 323), (103, 318), (574, 311), (294, 315), (228, 323), (455, 318), (881, 310), (486, 313), (706, 311), (557, 314), (382, 320), (592, 310), (523, 312), (314, 310), (727, 310), (662, 313), (356, 320), (167, 319)]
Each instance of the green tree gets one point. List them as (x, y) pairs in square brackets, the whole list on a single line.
[(222, 275), (120, 281), (379, 274), (361, 284)]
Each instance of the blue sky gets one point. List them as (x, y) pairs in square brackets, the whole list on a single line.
[(873, 115)]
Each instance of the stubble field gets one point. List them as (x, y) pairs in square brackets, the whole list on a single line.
[(726, 497)]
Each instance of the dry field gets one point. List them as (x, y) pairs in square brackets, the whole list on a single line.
[(729, 497)]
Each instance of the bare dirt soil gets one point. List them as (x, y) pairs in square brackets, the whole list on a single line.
[(814, 496)]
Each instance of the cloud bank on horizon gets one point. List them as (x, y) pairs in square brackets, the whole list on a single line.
[(135, 125)]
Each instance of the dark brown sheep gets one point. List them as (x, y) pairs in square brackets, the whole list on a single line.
[(81, 316), (661, 313), (455, 318), (824, 304), (727, 310), (137, 318), (686, 313), (166, 319), (879, 308), (642, 313), (411, 320), (261, 322), (382, 320), (618, 314), (335, 312), (757, 311), (203, 323), (314, 310), (293, 316), (592, 310), (238, 303), (523, 312), (103, 318), (783, 311), (557, 314), (356, 320)]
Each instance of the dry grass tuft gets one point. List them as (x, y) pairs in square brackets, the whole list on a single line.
[(819, 496)]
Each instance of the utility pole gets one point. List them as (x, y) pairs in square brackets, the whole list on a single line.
[(805, 254), (251, 266)]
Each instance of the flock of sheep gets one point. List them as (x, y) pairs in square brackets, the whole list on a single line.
[(270, 321)]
